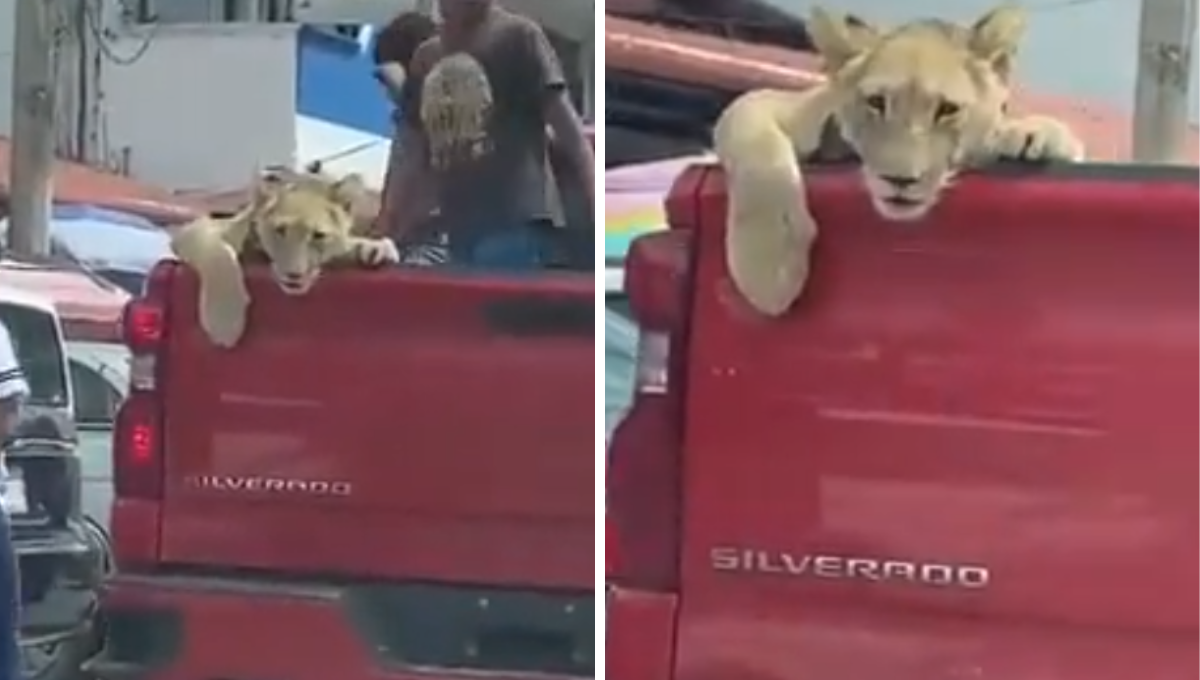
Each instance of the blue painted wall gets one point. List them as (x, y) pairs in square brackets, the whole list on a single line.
[(336, 85)]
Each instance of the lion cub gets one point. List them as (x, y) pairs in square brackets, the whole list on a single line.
[(300, 224), (917, 103)]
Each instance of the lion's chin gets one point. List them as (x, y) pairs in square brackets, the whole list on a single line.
[(901, 209), (300, 287)]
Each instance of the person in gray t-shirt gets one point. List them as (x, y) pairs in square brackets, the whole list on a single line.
[(478, 102)]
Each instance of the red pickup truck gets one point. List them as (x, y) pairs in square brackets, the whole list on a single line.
[(969, 453), (392, 475)]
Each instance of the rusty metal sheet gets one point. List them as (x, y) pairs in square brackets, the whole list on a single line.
[(78, 183)]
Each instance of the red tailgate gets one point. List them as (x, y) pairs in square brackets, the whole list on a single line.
[(401, 424), (1009, 386)]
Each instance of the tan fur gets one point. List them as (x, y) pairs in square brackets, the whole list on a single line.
[(920, 102), (456, 99), (300, 223)]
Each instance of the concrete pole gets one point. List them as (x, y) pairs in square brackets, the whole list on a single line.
[(1166, 34), (32, 160), (587, 64)]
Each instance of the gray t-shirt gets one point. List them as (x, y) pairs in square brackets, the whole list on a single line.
[(503, 179)]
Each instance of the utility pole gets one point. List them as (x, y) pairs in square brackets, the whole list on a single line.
[(31, 171), (1166, 35)]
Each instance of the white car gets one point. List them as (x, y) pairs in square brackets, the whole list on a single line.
[(60, 552), (620, 343), (100, 380)]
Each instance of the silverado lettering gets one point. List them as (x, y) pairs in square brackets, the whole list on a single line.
[(842, 567), (316, 487)]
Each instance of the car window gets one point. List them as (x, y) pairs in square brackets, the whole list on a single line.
[(619, 304), (96, 400), (39, 349)]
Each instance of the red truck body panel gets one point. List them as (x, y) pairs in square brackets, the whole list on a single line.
[(462, 439), (1010, 384), (394, 472)]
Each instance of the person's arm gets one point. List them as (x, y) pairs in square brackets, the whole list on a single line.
[(13, 386), (566, 127), (408, 190)]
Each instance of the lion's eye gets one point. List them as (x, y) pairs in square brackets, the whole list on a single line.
[(318, 237), (877, 103), (281, 231), (947, 110)]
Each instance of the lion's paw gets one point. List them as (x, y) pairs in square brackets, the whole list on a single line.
[(768, 242), (376, 252), (223, 306), (1038, 139)]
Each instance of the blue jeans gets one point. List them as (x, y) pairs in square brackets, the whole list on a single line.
[(10, 602), (510, 248)]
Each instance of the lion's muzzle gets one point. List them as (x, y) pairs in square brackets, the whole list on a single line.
[(295, 282)]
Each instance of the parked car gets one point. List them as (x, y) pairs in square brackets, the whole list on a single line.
[(94, 366), (633, 205), (118, 246), (58, 558), (100, 380), (620, 349)]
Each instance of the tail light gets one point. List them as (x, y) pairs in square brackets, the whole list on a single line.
[(137, 433), (137, 448), (644, 479)]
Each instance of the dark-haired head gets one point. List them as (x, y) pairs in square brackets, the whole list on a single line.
[(398, 41)]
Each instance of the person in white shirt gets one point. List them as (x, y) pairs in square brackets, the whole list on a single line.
[(14, 388)]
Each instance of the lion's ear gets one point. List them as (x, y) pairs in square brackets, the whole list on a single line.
[(839, 37), (996, 36), (348, 191), (266, 187)]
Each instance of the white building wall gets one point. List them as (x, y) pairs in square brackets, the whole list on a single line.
[(204, 107), (201, 107)]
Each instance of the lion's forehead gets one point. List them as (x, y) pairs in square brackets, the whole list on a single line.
[(923, 65), (303, 211), (923, 88)]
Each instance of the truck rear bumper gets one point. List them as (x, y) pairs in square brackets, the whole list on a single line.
[(201, 628)]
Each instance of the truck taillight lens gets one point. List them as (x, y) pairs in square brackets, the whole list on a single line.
[(644, 481), (138, 430), (137, 448), (142, 325)]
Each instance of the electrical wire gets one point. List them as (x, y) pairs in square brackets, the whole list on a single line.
[(91, 12), (318, 164)]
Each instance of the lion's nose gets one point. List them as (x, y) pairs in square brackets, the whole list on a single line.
[(900, 181), (292, 277)]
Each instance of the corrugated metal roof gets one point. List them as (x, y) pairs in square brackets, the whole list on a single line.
[(78, 183)]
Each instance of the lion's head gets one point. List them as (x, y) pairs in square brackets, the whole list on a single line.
[(918, 101), (302, 222)]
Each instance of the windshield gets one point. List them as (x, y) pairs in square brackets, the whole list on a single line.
[(39, 349), (99, 378)]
